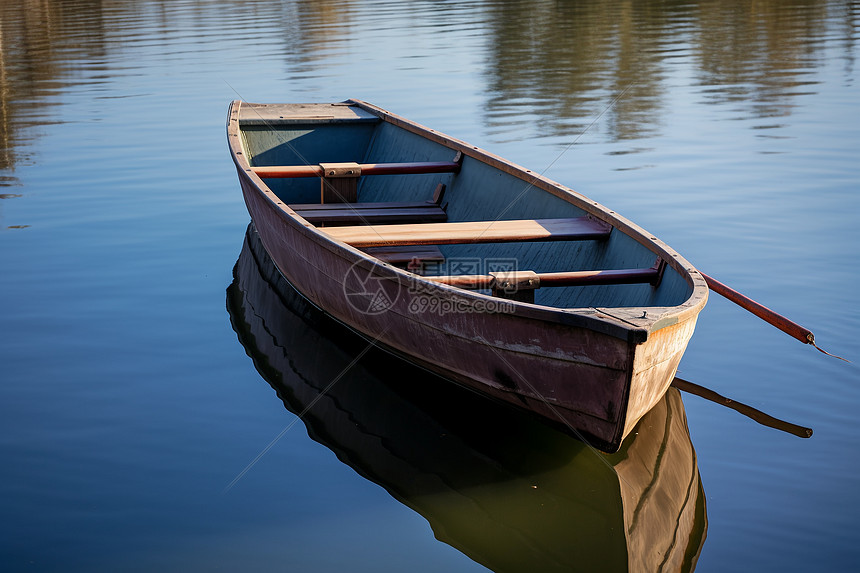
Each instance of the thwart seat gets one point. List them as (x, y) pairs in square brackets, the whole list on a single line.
[(579, 228), (371, 213)]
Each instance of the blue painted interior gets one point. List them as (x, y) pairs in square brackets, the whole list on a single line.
[(479, 192)]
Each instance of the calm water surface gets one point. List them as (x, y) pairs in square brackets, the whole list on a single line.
[(147, 421)]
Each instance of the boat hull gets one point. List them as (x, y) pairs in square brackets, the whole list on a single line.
[(588, 372), (507, 491)]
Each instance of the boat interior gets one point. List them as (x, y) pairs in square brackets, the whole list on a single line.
[(414, 202)]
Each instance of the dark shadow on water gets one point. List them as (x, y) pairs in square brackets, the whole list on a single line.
[(506, 490)]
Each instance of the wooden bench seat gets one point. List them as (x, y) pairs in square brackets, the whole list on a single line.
[(370, 205), (580, 228), (421, 254), (371, 213)]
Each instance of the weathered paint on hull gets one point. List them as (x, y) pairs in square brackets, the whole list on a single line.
[(574, 377), (654, 367), (595, 371)]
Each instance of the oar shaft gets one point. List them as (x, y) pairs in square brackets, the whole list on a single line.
[(789, 327)]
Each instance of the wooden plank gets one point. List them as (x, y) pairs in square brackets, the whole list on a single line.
[(370, 216), (523, 280), (581, 228), (439, 193), (268, 115), (420, 167), (338, 189), (299, 207), (400, 255)]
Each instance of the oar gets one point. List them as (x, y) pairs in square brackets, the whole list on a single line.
[(748, 411), (784, 324)]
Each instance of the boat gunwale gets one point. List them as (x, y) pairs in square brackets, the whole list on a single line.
[(593, 318)]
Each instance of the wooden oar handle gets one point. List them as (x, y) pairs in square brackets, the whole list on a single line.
[(789, 327)]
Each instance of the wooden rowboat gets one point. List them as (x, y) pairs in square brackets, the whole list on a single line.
[(508, 491), (466, 264)]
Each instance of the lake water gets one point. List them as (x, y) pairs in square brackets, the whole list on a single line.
[(147, 400)]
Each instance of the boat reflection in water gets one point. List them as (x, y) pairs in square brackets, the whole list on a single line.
[(508, 491)]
